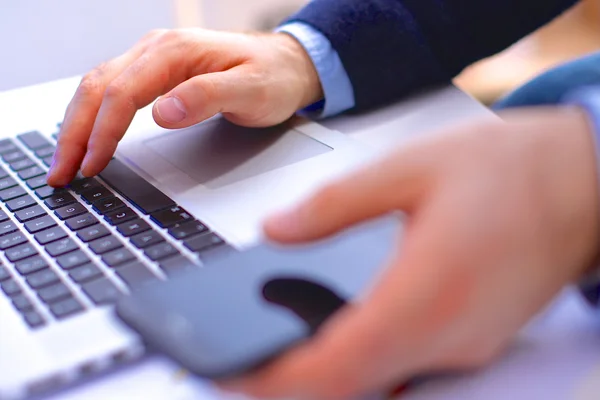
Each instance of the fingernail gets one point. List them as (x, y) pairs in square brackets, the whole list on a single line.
[(171, 109), (84, 164)]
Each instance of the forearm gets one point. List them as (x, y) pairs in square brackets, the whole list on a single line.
[(390, 48)]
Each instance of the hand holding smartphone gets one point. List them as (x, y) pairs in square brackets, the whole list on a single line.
[(241, 311)]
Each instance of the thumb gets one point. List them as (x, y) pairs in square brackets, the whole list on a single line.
[(397, 182), (204, 96)]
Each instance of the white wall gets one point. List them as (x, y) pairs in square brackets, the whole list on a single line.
[(41, 40), (246, 14)]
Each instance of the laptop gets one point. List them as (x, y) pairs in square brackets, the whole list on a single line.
[(168, 200)]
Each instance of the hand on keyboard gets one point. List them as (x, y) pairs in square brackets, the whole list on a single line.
[(254, 80)]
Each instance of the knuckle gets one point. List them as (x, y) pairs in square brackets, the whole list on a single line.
[(170, 36), (154, 34), (91, 84), (114, 91), (117, 92)]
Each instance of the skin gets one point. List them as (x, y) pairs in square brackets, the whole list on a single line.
[(253, 80), (501, 215)]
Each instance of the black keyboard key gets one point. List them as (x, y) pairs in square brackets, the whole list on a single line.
[(7, 146), (107, 205), (31, 265), (85, 273), (182, 231), (33, 140), (47, 191), (50, 235), (95, 194), (7, 182), (61, 247), (20, 252), (81, 184), (81, 221), (66, 308), (120, 216), (133, 227), (171, 216), (105, 244), (3, 216), (33, 319), (22, 164), (52, 294), (146, 239), (4, 274), (70, 211), (72, 259), (40, 224), (135, 274), (12, 240), (10, 288), (20, 203), (22, 303), (46, 151), (101, 291), (47, 161), (92, 233), (7, 227), (3, 173), (214, 253), (203, 242), (135, 188), (12, 193), (59, 200), (37, 182), (13, 156), (31, 172), (160, 251), (175, 264), (42, 278), (30, 213), (117, 257)]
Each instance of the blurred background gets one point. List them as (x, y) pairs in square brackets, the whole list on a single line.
[(42, 40)]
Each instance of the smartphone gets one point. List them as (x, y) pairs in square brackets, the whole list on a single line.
[(243, 310)]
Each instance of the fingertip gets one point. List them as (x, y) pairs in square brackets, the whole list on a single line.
[(57, 178), (282, 227)]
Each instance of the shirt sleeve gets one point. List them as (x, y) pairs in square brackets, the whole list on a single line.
[(337, 88), (589, 99)]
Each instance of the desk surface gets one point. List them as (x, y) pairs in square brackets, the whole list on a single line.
[(556, 357)]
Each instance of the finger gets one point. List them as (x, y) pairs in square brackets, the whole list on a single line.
[(153, 74), (372, 346), (395, 183), (203, 96), (81, 114)]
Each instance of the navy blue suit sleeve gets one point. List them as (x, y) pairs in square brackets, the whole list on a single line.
[(390, 48)]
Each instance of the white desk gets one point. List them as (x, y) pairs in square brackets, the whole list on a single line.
[(556, 357)]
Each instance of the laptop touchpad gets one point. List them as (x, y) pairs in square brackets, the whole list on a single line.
[(217, 153)]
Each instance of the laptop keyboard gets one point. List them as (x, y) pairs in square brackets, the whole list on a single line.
[(65, 251)]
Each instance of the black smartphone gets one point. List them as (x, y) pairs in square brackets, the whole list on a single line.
[(243, 310)]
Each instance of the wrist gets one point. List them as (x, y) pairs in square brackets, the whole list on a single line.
[(296, 57)]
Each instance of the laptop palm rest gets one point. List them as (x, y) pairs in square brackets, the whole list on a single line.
[(218, 153)]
